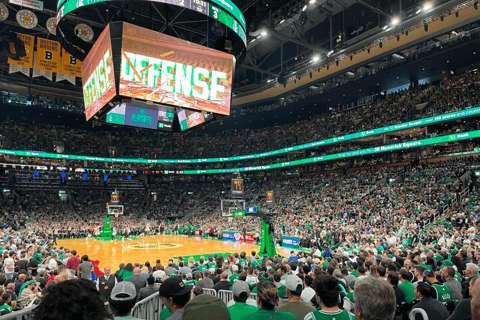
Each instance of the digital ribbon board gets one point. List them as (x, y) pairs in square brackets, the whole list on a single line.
[(342, 155)]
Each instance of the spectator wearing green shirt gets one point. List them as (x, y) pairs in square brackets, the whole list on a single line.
[(234, 277), (267, 300), (241, 309), (126, 273), (328, 291), (407, 287)]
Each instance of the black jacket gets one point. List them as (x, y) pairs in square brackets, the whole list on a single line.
[(435, 309)]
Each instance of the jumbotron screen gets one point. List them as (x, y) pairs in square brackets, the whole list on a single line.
[(141, 115), (189, 119), (164, 69), (98, 76)]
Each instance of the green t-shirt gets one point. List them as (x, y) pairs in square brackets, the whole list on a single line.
[(255, 263), (191, 282), (212, 265), (165, 314), (264, 314), (354, 273), (242, 262), (409, 290), (233, 278), (240, 310), (330, 315), (202, 267), (6, 307)]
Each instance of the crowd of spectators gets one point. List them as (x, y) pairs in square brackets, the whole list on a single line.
[(456, 93)]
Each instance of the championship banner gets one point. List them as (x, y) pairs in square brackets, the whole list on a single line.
[(48, 55), (71, 66), (14, 68), (26, 61), (32, 4), (41, 73)]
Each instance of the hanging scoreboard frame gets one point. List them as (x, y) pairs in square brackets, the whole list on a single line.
[(237, 188)]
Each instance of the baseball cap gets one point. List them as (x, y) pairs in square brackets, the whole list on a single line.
[(189, 275), (41, 271), (205, 307), (265, 277), (234, 268), (351, 279), (173, 287), (123, 291), (239, 287), (294, 283)]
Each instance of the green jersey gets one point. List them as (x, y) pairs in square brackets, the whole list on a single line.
[(240, 310), (202, 267), (264, 314), (190, 282), (165, 314), (409, 290), (444, 294), (242, 262), (255, 263), (354, 273), (212, 265), (329, 315), (233, 278)]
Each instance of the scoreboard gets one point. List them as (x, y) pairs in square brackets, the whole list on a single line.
[(222, 10), (237, 188)]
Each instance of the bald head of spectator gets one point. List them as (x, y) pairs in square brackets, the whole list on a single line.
[(224, 276)]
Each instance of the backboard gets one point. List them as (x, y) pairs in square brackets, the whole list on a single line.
[(229, 206)]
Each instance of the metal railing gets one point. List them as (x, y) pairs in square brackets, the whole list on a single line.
[(148, 308), (24, 314)]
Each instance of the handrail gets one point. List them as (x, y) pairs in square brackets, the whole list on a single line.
[(19, 315), (148, 308)]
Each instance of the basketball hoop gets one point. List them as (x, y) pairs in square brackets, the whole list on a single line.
[(116, 214)]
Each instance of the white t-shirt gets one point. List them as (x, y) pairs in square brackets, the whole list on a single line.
[(307, 294), (11, 263), (52, 264)]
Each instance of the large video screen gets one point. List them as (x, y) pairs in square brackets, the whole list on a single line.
[(168, 70), (189, 119), (98, 76), (142, 115)]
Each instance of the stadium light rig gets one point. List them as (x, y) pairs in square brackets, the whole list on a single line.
[(395, 21), (315, 58), (264, 33)]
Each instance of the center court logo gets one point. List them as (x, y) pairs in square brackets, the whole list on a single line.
[(156, 246)]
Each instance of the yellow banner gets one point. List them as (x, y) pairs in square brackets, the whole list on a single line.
[(26, 61), (71, 66), (48, 55)]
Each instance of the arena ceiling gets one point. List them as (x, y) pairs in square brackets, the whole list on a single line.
[(283, 36)]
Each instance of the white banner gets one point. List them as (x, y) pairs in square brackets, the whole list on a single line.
[(41, 73), (32, 4), (14, 68), (61, 77)]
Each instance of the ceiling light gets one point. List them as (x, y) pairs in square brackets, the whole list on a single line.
[(427, 6), (316, 58), (304, 8), (282, 21), (385, 28), (395, 21), (418, 11), (264, 33), (312, 1)]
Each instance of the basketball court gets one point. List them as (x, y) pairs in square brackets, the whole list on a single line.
[(151, 248)]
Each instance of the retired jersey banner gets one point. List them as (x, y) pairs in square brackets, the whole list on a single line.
[(26, 61), (71, 66), (48, 55)]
